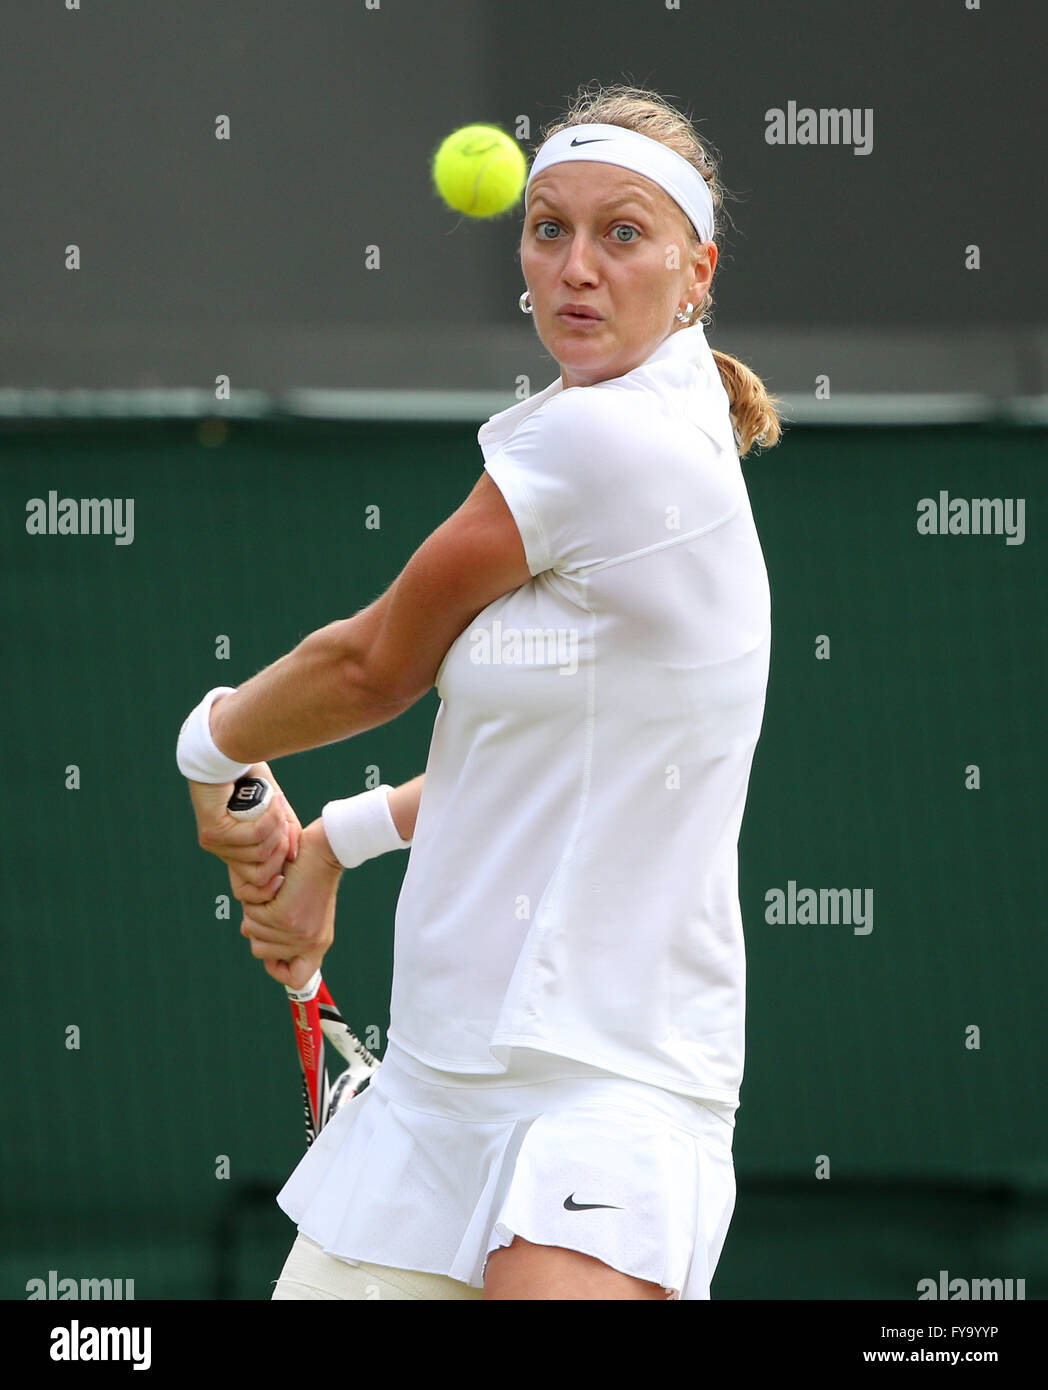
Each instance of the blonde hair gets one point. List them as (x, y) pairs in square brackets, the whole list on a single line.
[(754, 415)]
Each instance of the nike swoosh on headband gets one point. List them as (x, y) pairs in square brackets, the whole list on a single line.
[(571, 1205), (595, 141)]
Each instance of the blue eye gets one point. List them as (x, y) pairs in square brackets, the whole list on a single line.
[(619, 226)]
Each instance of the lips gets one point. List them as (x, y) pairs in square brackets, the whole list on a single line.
[(577, 313)]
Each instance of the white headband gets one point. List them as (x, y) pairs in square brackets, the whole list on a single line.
[(613, 144)]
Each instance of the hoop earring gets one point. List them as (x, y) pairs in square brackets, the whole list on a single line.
[(685, 315), (526, 308)]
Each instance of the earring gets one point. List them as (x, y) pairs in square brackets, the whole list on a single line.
[(526, 308), (686, 313)]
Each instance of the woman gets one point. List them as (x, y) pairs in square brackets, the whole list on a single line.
[(555, 1111)]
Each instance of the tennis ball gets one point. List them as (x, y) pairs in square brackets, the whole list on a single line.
[(480, 170)]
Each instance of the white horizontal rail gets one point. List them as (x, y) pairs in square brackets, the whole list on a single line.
[(476, 406)]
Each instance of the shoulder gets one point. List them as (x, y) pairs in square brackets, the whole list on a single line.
[(605, 419)]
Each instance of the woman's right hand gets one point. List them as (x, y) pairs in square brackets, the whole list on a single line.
[(255, 852)]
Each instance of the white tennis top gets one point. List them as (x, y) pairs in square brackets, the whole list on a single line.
[(572, 885)]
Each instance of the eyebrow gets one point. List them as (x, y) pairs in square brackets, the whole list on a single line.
[(618, 200)]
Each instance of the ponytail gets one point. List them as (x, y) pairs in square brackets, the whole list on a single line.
[(754, 416)]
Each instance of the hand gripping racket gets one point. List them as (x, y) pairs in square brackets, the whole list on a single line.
[(314, 1013)]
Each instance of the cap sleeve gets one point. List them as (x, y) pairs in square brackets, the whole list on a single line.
[(595, 473), (571, 474)]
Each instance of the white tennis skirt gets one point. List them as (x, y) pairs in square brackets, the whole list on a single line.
[(430, 1171)]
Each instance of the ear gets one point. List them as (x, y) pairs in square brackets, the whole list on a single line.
[(704, 268)]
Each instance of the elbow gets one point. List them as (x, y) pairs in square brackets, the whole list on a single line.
[(376, 693), (368, 691), (373, 678)]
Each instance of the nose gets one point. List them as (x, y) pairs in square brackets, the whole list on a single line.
[(579, 263)]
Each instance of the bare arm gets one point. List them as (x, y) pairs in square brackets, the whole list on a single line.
[(316, 694), (403, 805), (363, 671)]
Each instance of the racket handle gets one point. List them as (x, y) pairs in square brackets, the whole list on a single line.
[(308, 992), (309, 1005), (251, 797), (309, 1039)]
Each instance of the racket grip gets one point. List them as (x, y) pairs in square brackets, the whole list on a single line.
[(251, 797), (308, 992)]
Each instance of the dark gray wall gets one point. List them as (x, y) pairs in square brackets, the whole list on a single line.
[(246, 256)]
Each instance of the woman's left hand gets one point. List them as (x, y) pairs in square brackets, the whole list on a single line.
[(291, 933)]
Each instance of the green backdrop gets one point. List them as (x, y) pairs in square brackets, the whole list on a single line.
[(860, 1064)]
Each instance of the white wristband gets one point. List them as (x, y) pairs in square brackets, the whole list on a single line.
[(361, 827), (198, 756)]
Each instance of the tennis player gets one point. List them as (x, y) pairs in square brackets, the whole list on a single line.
[(555, 1111)]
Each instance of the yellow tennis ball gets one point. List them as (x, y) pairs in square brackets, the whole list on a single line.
[(480, 170)]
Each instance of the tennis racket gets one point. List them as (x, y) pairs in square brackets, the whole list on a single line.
[(314, 1013)]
